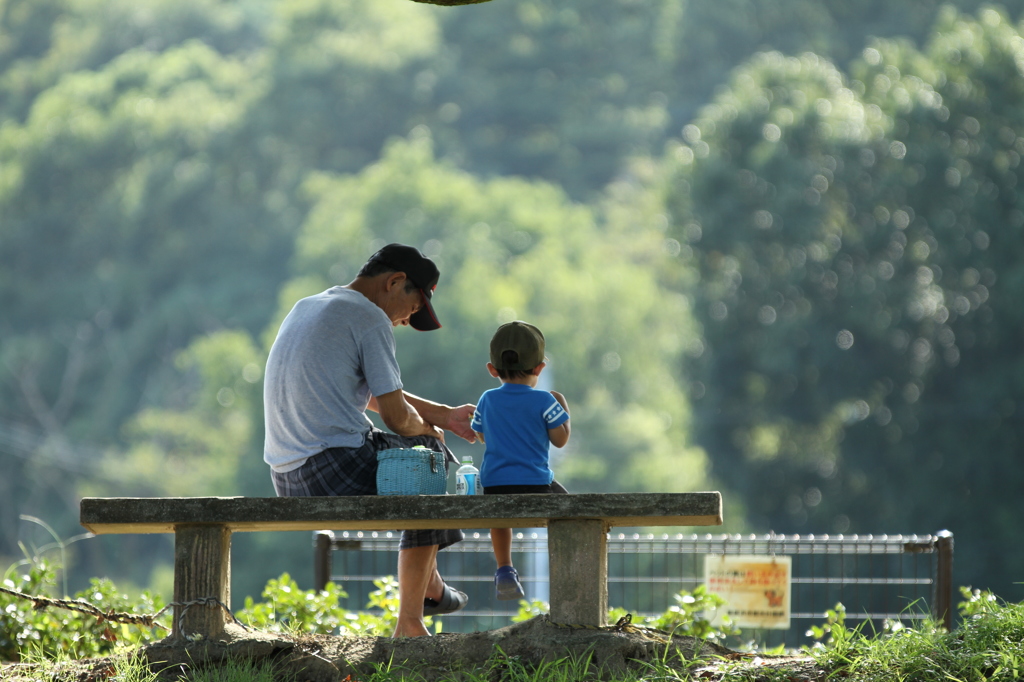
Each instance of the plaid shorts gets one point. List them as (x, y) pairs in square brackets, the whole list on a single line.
[(353, 471)]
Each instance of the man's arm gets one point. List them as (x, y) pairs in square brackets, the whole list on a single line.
[(454, 419), (399, 415)]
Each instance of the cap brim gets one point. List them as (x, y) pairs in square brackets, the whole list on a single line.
[(424, 319)]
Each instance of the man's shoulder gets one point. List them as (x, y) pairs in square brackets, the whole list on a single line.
[(343, 297), (330, 299), (350, 308)]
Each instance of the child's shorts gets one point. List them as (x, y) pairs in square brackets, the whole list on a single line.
[(553, 487)]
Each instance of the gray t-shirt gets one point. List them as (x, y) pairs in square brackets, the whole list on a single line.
[(333, 351)]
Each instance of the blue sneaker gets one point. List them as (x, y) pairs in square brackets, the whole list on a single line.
[(506, 584)]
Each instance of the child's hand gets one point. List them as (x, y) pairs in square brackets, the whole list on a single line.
[(561, 400)]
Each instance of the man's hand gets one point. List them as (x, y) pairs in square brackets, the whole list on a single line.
[(454, 419), (436, 432), (458, 422)]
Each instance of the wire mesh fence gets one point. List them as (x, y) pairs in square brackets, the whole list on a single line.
[(876, 577)]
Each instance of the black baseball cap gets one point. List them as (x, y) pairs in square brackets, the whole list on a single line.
[(521, 337), (421, 271)]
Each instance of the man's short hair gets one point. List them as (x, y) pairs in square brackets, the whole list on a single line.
[(374, 268)]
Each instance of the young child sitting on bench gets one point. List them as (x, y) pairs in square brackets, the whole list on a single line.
[(517, 423)]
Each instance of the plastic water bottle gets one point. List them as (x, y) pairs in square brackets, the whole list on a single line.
[(467, 478)]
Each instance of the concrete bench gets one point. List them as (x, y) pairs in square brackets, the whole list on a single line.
[(577, 530)]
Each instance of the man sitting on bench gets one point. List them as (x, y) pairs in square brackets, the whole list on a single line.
[(334, 357)]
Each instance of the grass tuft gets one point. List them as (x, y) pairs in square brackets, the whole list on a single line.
[(989, 645)]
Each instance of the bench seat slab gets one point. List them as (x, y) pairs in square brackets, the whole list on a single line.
[(162, 514)]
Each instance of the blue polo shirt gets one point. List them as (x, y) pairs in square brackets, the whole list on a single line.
[(515, 419)]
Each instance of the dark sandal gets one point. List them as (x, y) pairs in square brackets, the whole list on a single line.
[(452, 600)]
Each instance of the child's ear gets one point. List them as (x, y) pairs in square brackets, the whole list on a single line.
[(493, 370), (537, 370)]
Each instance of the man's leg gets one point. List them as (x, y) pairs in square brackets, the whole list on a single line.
[(417, 574), (418, 578)]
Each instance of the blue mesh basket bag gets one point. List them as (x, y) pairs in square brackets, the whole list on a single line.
[(411, 471)]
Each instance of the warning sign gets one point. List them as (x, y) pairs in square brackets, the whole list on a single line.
[(756, 589)]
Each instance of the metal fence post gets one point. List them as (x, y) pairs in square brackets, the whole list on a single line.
[(323, 563), (944, 579)]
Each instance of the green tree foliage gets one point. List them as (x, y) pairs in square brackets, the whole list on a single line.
[(43, 40), (339, 78), (134, 217), (559, 90), (162, 186), (570, 90), (859, 242), (715, 38), (199, 447)]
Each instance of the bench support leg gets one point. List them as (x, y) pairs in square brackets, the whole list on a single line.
[(578, 564), (202, 568)]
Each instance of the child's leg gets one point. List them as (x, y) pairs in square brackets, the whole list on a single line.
[(501, 542), (506, 580)]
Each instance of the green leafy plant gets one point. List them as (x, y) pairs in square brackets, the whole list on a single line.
[(381, 614), (840, 647), (977, 602), (289, 609), (530, 609), (689, 616), (834, 629), (51, 629)]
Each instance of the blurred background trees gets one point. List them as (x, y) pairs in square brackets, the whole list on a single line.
[(775, 247), (856, 238)]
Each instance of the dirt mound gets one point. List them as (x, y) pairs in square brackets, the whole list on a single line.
[(326, 658)]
